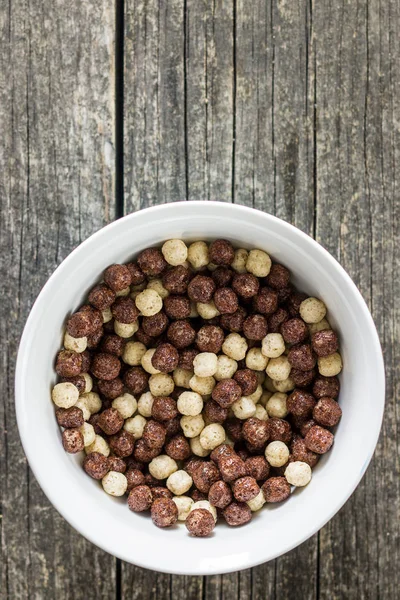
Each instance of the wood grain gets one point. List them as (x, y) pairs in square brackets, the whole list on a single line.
[(56, 182)]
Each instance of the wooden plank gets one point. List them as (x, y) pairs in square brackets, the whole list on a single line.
[(56, 182), (358, 143)]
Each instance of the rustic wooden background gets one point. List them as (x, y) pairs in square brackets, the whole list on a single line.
[(290, 106)]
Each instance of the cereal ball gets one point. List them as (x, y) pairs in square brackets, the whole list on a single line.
[(156, 324), (151, 262), (178, 448), (212, 436), (326, 386), (154, 434), (261, 413), (294, 302), (198, 255), (276, 406), (255, 360), (72, 440), (300, 403), (113, 344), (200, 522), (192, 426), (164, 408), (278, 368), (125, 330), (75, 344), (314, 327), (95, 465), (122, 444), (256, 503), (68, 364), (258, 263), (294, 331), (235, 346), (152, 482), (146, 362), (136, 380), (162, 466), (323, 342), (181, 334), (255, 327), (247, 381), (134, 478), (302, 357), (220, 494), (140, 498), (145, 404), (226, 393), (204, 475), (237, 513), (318, 440), (244, 408), (312, 310), (92, 401), (160, 492), (137, 275), (83, 406), (277, 454), (221, 451), (105, 366), (231, 467), (65, 395), (234, 322), (165, 358), (149, 302), (89, 434), (245, 489), (202, 385), (226, 301), (177, 307), (245, 285), (124, 310), (266, 301), (306, 425), (276, 489), (133, 353), (298, 473), (183, 504), (117, 277), (84, 322), (182, 377), (240, 260), (331, 365), (69, 417), (226, 368), (257, 467), (190, 404), (161, 384), (110, 389), (110, 421), (99, 445), (209, 338), (273, 345), (207, 311), (275, 321), (222, 277), (286, 385), (179, 482), (327, 412), (94, 339), (201, 289), (114, 483), (266, 395), (186, 358), (255, 431), (135, 426), (101, 296), (302, 378), (279, 430), (142, 452), (81, 382), (221, 252), (278, 277), (214, 413), (175, 252), (205, 364), (299, 451)]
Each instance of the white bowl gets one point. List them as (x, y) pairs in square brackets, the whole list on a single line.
[(107, 522)]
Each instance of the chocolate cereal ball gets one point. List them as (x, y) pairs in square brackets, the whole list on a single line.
[(111, 389), (266, 301), (300, 452), (200, 522), (234, 429), (279, 430), (78, 381), (245, 489), (134, 478), (164, 409), (122, 444), (72, 440), (176, 280), (300, 403), (105, 366), (302, 378), (210, 338), (278, 277), (221, 451), (84, 322), (325, 342), (327, 412), (293, 303), (177, 307), (69, 417), (302, 357), (234, 322), (172, 427), (231, 467), (178, 447), (186, 358), (276, 489), (237, 513), (294, 331), (137, 275), (154, 434), (165, 358), (101, 296), (68, 363), (117, 277), (221, 252), (204, 475), (226, 300), (124, 310), (96, 465), (140, 498), (222, 276), (136, 380), (110, 421), (220, 494), (255, 431), (151, 262), (257, 467), (326, 386), (143, 453), (214, 413), (159, 491), (113, 344), (94, 339), (181, 334), (255, 327), (275, 320), (226, 392), (156, 324), (116, 464), (318, 440), (201, 289), (164, 512), (245, 285), (247, 379)]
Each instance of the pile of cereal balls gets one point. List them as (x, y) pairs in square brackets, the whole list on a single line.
[(199, 382)]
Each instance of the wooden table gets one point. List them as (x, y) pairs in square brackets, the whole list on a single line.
[(290, 106)]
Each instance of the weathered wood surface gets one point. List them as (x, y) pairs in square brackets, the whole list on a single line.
[(289, 106)]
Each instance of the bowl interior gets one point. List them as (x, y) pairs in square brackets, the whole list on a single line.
[(107, 521)]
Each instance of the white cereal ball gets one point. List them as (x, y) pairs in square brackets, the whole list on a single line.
[(266, 395), (321, 326), (145, 404), (207, 310), (146, 362), (213, 435), (244, 408), (125, 330), (82, 404), (240, 260), (205, 364), (331, 365), (182, 377), (194, 313), (279, 368), (197, 448), (273, 345), (312, 310), (88, 382), (125, 404), (277, 454), (65, 394), (256, 395), (114, 483), (149, 302), (88, 433), (286, 385), (190, 404), (256, 503), (192, 426), (161, 384), (183, 504), (162, 466), (124, 292), (157, 286), (269, 385), (207, 506), (235, 346), (179, 482), (202, 385), (198, 255), (107, 315), (93, 402), (276, 406), (298, 473), (75, 344), (256, 360), (226, 368), (261, 413), (133, 353), (175, 252), (99, 445), (135, 425), (258, 263)]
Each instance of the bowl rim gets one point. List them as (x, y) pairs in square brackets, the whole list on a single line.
[(45, 483)]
